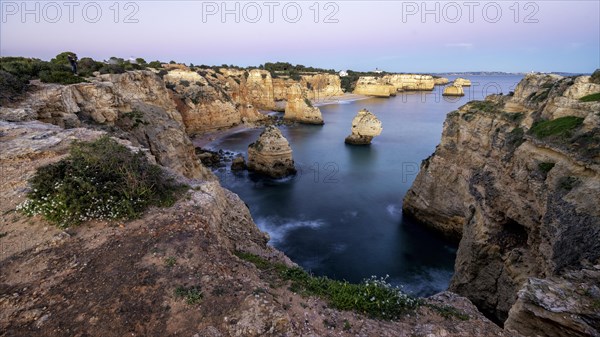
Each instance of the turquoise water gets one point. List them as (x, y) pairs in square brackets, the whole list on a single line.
[(341, 215)]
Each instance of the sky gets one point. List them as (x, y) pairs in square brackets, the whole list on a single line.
[(396, 36)]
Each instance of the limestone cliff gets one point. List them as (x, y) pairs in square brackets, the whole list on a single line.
[(410, 82), (271, 154), (135, 105), (299, 108), (453, 90), (374, 86), (388, 85), (520, 186), (365, 126), (322, 86)]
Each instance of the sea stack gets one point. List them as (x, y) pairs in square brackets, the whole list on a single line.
[(463, 82), (299, 108), (271, 154), (365, 126), (453, 90)]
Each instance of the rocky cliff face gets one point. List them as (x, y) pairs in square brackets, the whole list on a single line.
[(209, 100), (520, 187), (271, 154), (136, 105), (299, 108), (365, 126)]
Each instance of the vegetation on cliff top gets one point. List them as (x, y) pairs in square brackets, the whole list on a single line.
[(374, 297), (98, 180)]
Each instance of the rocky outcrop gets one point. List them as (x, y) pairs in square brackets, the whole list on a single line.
[(374, 86), (299, 108), (463, 82), (440, 81), (523, 202), (453, 90), (136, 105), (271, 154), (365, 126)]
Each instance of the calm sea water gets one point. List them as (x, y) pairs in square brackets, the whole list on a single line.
[(341, 216)]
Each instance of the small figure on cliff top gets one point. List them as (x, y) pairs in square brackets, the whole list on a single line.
[(73, 61)]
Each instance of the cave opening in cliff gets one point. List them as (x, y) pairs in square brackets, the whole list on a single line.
[(512, 235)]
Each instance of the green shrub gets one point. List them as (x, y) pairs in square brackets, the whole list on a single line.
[(98, 180), (60, 77), (374, 297), (591, 98), (568, 183), (546, 167), (192, 295), (595, 78), (557, 127)]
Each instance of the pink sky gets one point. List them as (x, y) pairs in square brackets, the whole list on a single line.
[(391, 35)]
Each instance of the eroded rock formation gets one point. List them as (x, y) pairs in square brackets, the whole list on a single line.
[(271, 154), (523, 199), (299, 108), (365, 126)]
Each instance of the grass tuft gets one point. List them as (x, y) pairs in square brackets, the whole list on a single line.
[(192, 295), (591, 98), (374, 297), (560, 127)]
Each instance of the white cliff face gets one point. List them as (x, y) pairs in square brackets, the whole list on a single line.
[(365, 126), (271, 154), (299, 108)]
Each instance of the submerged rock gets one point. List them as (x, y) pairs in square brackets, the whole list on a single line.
[(365, 126), (238, 164), (271, 154)]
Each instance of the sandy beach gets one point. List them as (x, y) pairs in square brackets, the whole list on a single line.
[(206, 138)]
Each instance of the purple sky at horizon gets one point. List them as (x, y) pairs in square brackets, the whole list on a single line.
[(391, 35)]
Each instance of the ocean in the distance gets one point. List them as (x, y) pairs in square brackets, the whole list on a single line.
[(341, 216)]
